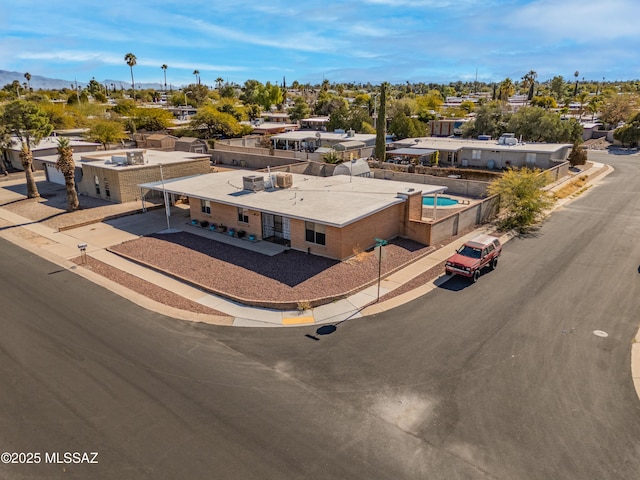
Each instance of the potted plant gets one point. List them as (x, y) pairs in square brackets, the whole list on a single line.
[(204, 223)]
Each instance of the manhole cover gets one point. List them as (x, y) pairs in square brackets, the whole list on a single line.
[(600, 333)]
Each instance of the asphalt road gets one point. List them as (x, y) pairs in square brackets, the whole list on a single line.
[(503, 379)]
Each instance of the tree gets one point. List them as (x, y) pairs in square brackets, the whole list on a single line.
[(164, 70), (403, 126), (557, 87), (535, 124), (629, 134), (583, 96), (28, 77), (618, 108), (578, 155), (106, 132), (529, 81), (300, 109), (30, 124), (219, 83), (67, 167), (575, 90), (381, 127), (131, 60), (152, 119), (197, 74), (490, 120), (545, 102), (521, 198), (506, 90), (5, 144), (215, 122)]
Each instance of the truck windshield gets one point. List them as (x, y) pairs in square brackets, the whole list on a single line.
[(469, 251)]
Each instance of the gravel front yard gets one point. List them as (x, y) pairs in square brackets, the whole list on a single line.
[(282, 280)]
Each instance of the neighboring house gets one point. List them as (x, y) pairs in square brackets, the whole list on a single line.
[(309, 140), (276, 117), (314, 123), (192, 145), (504, 153), (47, 146), (270, 128), (446, 127), (334, 217), (159, 141), (115, 175)]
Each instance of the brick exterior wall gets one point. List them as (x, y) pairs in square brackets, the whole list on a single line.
[(123, 181), (227, 215)]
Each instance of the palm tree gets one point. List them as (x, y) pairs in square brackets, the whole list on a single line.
[(164, 69), (530, 80), (219, 82), (130, 58), (575, 90), (28, 77), (67, 167), (506, 89), (197, 74)]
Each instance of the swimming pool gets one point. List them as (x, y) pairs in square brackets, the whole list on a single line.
[(442, 201)]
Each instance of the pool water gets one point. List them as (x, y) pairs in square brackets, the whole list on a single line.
[(442, 201)]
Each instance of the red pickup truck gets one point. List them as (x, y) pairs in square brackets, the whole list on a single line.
[(473, 256)]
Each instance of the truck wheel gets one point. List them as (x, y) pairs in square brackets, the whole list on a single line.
[(476, 276), (494, 263)]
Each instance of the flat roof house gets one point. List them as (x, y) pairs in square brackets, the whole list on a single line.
[(334, 217), (47, 146), (502, 153), (115, 175)]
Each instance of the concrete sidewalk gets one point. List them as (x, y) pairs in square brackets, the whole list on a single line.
[(61, 247)]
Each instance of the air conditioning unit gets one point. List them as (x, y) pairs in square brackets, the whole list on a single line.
[(284, 180), (135, 158), (253, 183), (118, 160)]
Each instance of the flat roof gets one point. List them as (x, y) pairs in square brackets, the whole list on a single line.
[(415, 152), (311, 134), (457, 144), (151, 158), (337, 201), (51, 142)]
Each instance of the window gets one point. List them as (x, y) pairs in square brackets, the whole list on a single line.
[(476, 154), (205, 206), (315, 233), (531, 158), (107, 192), (96, 181), (243, 215)]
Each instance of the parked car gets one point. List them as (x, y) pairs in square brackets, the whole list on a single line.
[(474, 255)]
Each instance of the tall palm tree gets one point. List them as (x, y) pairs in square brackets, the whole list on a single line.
[(219, 83), (575, 90), (28, 77), (130, 58), (197, 74), (67, 167), (164, 69), (530, 80)]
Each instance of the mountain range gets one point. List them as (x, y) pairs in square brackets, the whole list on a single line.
[(44, 83)]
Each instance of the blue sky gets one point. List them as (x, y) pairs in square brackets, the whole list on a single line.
[(342, 41)]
